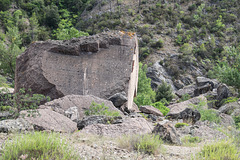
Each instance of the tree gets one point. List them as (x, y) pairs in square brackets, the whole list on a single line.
[(4, 5), (9, 50), (164, 91), (145, 94), (52, 17), (67, 31), (34, 27)]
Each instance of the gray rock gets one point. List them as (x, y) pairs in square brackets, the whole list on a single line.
[(118, 99), (211, 97), (167, 133), (129, 126), (98, 120), (133, 109), (80, 66), (226, 120), (223, 92), (190, 116), (82, 102), (158, 75), (15, 126), (202, 81), (177, 108), (203, 89), (72, 113), (46, 119), (229, 108), (186, 90), (151, 110)]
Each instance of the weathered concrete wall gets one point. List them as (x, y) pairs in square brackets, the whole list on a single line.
[(99, 65)]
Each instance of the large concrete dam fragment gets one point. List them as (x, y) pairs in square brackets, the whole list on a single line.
[(100, 65)]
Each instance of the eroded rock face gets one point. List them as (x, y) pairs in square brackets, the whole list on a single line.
[(81, 102), (100, 65), (129, 126), (15, 126), (46, 119), (167, 132)]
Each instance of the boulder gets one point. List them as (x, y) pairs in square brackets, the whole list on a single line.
[(129, 126), (203, 89), (158, 74), (98, 120), (167, 132), (223, 92), (229, 108), (72, 113), (81, 102), (177, 108), (186, 90), (151, 110), (202, 81), (118, 99), (46, 119), (133, 109), (226, 120), (15, 126), (190, 116), (211, 98), (100, 65)]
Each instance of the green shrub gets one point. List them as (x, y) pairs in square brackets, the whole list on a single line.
[(186, 49), (145, 94), (185, 97), (3, 81), (237, 121), (4, 5), (161, 107), (5, 108), (190, 140), (223, 150), (164, 91), (179, 125), (37, 145), (100, 109), (207, 114), (158, 44), (148, 143)]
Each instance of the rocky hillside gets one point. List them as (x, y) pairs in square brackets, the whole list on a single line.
[(187, 103)]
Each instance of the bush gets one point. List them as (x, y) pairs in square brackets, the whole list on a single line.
[(4, 5), (190, 140), (37, 146), (100, 109), (158, 44), (161, 107), (145, 94), (186, 49), (223, 150), (207, 114), (179, 125), (185, 97), (148, 143), (164, 91), (237, 121)]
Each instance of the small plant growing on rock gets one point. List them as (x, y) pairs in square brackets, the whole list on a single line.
[(190, 140), (179, 125), (161, 107), (100, 109), (37, 145)]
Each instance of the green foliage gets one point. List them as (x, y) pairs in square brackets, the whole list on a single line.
[(38, 145), (148, 143), (159, 105), (186, 49), (22, 100), (219, 150), (52, 17), (237, 121), (3, 81), (164, 91), (100, 109), (227, 70), (158, 44), (184, 98), (145, 94), (66, 30), (179, 125), (4, 5), (9, 50), (207, 114), (5, 108), (190, 140)]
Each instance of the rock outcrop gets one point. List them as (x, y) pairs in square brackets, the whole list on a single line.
[(46, 119), (100, 65), (129, 126), (151, 110), (81, 102)]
